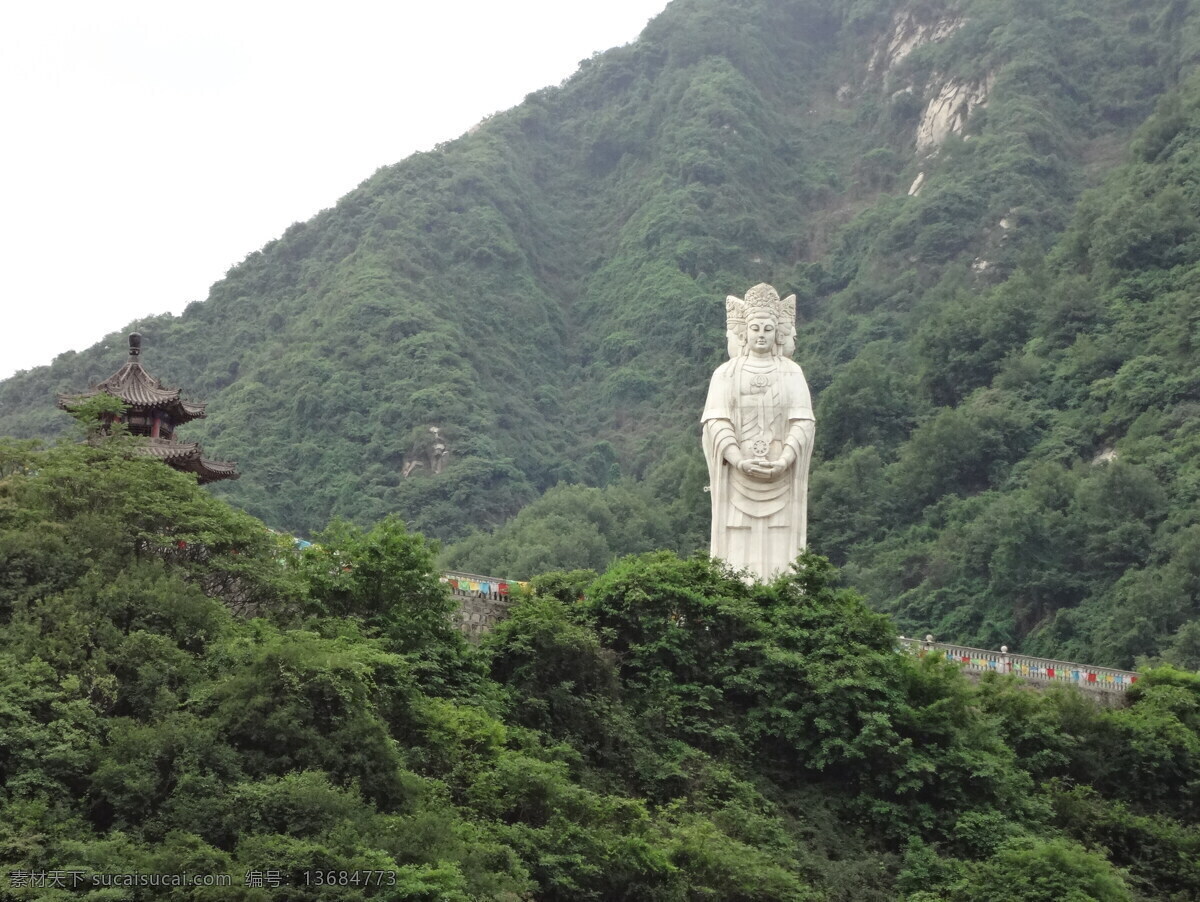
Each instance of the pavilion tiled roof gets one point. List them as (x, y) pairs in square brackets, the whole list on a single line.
[(189, 456), (137, 388)]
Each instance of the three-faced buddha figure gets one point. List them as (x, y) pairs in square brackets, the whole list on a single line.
[(758, 438)]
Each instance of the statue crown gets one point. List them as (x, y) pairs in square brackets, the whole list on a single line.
[(764, 297)]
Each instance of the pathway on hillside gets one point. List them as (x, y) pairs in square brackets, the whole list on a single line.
[(484, 601)]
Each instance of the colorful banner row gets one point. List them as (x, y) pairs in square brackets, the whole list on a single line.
[(472, 585), (1047, 672)]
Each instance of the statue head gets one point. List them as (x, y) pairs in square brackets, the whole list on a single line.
[(761, 305), (762, 333)]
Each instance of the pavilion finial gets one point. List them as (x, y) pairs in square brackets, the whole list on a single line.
[(135, 344)]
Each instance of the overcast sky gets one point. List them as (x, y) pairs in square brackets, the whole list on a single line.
[(150, 146)]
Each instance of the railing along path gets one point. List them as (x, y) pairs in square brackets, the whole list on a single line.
[(485, 600), (1044, 671)]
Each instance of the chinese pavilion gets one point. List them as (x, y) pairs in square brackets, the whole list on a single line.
[(153, 410)]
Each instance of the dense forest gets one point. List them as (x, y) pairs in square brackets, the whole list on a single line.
[(988, 210), (661, 732)]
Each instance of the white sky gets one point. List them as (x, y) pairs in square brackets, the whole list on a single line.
[(147, 147)]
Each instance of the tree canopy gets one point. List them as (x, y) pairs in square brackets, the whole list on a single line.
[(659, 731)]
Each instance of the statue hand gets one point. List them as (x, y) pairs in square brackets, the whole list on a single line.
[(759, 469), (776, 467)]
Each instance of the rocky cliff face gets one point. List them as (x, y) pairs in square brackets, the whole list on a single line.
[(949, 100), (908, 30), (950, 107)]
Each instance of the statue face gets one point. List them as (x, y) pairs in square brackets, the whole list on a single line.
[(760, 334)]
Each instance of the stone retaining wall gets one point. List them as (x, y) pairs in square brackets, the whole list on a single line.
[(479, 610)]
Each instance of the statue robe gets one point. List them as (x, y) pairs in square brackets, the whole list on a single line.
[(761, 405)]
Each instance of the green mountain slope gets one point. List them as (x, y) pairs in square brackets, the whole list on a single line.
[(547, 290), (1059, 484)]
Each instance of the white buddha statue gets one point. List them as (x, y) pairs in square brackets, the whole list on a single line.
[(758, 438)]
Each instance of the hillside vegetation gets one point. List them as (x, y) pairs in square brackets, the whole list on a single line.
[(1003, 361), (662, 732)]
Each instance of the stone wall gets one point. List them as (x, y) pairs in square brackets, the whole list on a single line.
[(477, 616), (479, 609)]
